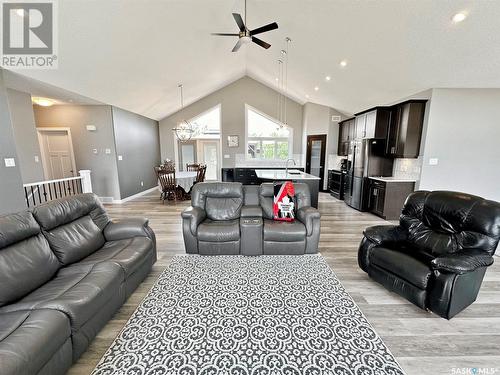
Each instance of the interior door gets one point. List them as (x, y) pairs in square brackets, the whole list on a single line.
[(315, 157), (58, 159), (210, 157)]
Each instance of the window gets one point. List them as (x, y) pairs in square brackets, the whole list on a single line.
[(266, 139), (207, 124)]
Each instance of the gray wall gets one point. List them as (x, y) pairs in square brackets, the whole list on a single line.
[(233, 98), (463, 132), (137, 141), (23, 123), (11, 184), (103, 166)]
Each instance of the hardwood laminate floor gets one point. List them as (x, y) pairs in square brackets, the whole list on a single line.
[(423, 343)]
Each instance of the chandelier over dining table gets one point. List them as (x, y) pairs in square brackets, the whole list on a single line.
[(184, 129)]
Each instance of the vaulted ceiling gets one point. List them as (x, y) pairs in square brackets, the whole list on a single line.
[(133, 54)]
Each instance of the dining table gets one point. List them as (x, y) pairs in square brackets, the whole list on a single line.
[(185, 179)]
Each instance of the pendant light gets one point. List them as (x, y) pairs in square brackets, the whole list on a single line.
[(184, 130), (283, 85)]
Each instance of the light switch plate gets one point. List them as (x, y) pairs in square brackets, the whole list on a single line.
[(107, 151), (95, 151), (37, 159), (227, 156), (433, 161), (10, 162), (120, 157), (91, 128)]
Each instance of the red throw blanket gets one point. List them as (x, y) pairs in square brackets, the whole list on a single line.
[(284, 202)]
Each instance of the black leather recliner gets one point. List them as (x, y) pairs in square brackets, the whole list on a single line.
[(438, 254)]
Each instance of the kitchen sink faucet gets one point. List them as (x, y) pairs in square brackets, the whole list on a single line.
[(286, 165)]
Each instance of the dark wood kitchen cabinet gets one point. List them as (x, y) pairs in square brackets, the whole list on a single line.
[(386, 198), (373, 123), (405, 129), (346, 134)]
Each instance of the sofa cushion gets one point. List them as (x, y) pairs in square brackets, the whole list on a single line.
[(75, 240), (65, 210), (26, 261), (129, 254), (29, 339), (219, 231), (403, 265), (78, 291), (283, 231)]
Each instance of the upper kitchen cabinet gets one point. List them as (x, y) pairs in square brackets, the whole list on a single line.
[(373, 123), (405, 129), (346, 134)]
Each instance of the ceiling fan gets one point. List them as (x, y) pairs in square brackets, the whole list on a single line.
[(245, 35)]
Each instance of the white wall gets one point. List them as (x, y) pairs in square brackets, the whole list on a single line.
[(463, 132)]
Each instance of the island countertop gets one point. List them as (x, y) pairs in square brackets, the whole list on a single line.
[(280, 174)]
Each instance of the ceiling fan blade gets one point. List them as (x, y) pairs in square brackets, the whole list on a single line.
[(260, 42), (263, 29), (225, 34), (239, 21), (237, 45)]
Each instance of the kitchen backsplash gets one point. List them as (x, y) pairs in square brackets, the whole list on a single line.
[(334, 161), (407, 168)]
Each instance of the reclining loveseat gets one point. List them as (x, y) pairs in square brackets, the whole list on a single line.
[(65, 269), (228, 218)]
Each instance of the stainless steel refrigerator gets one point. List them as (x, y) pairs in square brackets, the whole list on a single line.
[(365, 159)]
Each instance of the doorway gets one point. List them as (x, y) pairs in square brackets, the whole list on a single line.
[(56, 148), (315, 157), (209, 155)]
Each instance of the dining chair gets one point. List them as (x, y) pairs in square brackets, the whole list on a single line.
[(200, 176), (192, 167), (168, 184)]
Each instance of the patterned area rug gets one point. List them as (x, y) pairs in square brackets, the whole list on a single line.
[(235, 315)]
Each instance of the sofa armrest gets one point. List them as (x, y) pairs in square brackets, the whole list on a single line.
[(380, 234), (308, 216), (195, 215), (251, 211), (466, 260), (127, 228)]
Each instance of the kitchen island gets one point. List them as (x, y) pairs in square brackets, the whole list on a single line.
[(294, 175)]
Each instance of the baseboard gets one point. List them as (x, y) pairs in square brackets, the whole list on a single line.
[(120, 201)]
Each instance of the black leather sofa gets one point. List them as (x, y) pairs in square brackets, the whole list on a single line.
[(438, 254), (65, 269), (230, 218)]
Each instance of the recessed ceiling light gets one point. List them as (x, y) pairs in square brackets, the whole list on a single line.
[(343, 63), (307, 96), (316, 88), (44, 102), (276, 79), (459, 17), (328, 78), (20, 12)]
